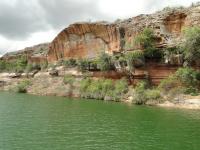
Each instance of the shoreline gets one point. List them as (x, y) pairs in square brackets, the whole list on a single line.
[(45, 85), (195, 105)]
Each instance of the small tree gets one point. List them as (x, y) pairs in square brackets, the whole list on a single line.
[(83, 64), (133, 58), (21, 64), (146, 39), (105, 62), (2, 65), (191, 45)]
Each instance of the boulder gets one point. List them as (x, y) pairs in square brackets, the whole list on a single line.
[(53, 72), (14, 75)]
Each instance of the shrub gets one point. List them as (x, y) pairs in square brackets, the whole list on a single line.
[(185, 79), (84, 84), (120, 88), (2, 65), (22, 86), (143, 94), (152, 94), (168, 83), (70, 63), (31, 67), (146, 39), (21, 64), (191, 90), (191, 46), (68, 79), (153, 53), (107, 87), (134, 58), (188, 76), (95, 89), (44, 65), (105, 62), (83, 65), (139, 95), (102, 88)]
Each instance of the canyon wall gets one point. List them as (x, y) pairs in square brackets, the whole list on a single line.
[(85, 40), (88, 39)]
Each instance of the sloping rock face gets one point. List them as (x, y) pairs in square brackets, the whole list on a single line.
[(35, 54), (87, 40)]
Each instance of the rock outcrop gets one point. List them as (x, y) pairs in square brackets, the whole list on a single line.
[(34, 54), (87, 40)]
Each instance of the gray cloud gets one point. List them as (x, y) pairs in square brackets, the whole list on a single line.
[(19, 20), (63, 12)]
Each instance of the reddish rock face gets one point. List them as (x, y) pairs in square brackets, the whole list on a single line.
[(85, 40)]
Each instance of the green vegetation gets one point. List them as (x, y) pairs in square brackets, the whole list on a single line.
[(83, 65), (133, 59), (191, 46), (105, 62), (70, 63), (104, 89), (144, 94), (139, 95), (16, 66), (22, 86), (21, 65), (185, 80), (68, 79), (146, 39)]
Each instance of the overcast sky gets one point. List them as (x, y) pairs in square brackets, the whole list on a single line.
[(28, 22)]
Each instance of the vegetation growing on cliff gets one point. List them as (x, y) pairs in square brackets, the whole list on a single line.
[(191, 45)]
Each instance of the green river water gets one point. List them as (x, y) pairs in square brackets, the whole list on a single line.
[(51, 123)]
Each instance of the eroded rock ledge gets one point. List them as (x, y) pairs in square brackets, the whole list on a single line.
[(87, 40)]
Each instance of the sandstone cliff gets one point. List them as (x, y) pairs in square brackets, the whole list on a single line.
[(87, 40), (34, 54)]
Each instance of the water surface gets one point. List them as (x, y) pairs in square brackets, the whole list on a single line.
[(51, 123)]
